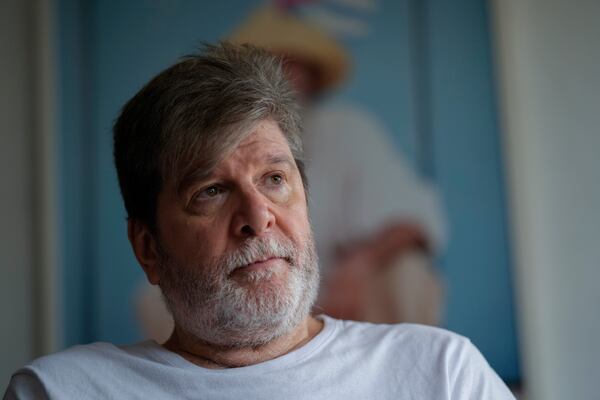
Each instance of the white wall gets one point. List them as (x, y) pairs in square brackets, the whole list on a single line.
[(548, 54), (28, 247), (16, 206)]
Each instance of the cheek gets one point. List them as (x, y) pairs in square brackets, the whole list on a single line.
[(186, 237), (189, 240), (280, 195), (295, 218)]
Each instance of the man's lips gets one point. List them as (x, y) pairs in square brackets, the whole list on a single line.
[(260, 264)]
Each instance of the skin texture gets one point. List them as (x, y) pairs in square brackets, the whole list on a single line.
[(256, 191)]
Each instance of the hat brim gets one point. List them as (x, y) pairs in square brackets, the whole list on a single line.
[(284, 34)]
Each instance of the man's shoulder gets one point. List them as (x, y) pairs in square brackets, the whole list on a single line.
[(69, 372), (426, 353), (65, 369), (401, 331), (75, 356), (403, 337)]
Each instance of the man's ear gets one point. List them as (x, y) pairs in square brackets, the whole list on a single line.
[(145, 248)]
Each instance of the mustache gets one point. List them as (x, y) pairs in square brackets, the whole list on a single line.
[(258, 249)]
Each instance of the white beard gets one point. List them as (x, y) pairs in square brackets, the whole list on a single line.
[(208, 304)]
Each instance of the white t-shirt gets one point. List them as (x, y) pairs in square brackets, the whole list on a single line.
[(346, 360)]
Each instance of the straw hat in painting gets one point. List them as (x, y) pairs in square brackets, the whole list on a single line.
[(283, 33)]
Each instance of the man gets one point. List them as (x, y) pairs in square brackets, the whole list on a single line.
[(210, 167)]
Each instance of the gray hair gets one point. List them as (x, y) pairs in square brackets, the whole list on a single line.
[(195, 112)]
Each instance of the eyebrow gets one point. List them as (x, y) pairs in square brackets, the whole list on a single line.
[(280, 159), (204, 174)]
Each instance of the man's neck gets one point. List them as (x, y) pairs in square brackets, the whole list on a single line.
[(209, 356)]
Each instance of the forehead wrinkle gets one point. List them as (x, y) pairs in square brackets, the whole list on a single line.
[(268, 159), (273, 159)]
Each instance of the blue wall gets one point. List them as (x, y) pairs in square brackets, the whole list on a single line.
[(467, 166)]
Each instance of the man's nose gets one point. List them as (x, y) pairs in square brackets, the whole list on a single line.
[(253, 216)]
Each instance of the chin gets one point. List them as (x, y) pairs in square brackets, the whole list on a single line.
[(253, 314)]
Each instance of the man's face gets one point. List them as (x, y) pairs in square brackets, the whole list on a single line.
[(238, 265)]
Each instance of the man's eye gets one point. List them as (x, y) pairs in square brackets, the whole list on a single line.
[(209, 192), (276, 179)]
